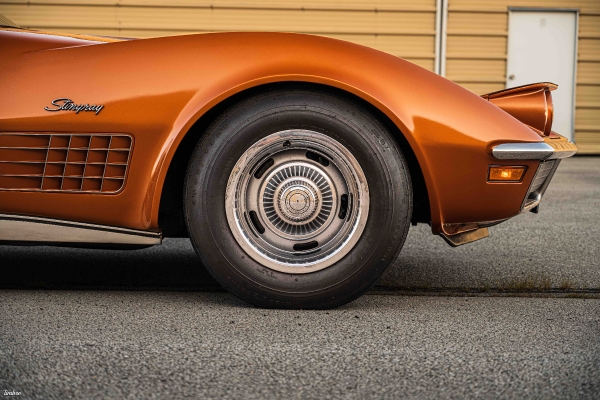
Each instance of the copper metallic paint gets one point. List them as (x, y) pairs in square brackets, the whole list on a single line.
[(530, 104), (156, 89)]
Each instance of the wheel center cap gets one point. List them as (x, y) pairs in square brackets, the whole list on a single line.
[(297, 201)]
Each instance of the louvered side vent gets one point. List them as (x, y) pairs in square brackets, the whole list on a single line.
[(78, 163)]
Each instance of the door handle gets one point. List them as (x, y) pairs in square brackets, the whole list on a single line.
[(511, 77)]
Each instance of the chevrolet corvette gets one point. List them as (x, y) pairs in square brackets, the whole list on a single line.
[(294, 163)]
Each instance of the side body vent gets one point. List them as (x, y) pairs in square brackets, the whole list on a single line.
[(74, 163)]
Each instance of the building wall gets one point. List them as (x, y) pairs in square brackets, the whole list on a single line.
[(476, 46), (476, 53), (405, 29)]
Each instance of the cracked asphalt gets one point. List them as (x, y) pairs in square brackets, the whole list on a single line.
[(151, 323)]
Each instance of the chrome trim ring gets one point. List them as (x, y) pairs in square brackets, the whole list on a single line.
[(297, 201)]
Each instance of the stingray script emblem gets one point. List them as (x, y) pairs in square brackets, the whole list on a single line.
[(64, 104)]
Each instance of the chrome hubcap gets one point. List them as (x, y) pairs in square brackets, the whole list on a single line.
[(302, 202), (297, 201)]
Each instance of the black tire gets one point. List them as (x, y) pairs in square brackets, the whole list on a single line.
[(328, 113)]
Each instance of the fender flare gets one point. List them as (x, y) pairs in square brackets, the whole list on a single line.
[(195, 109)]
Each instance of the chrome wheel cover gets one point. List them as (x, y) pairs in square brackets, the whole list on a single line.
[(285, 201)]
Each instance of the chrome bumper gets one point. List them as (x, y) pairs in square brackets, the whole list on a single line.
[(550, 149), (549, 152)]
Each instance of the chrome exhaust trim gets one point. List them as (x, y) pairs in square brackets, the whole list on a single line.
[(465, 237), (539, 184), (26, 229)]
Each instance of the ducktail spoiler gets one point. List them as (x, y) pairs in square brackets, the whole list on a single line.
[(531, 104)]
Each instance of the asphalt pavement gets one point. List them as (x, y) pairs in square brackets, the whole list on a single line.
[(151, 323), (92, 344), (557, 248)]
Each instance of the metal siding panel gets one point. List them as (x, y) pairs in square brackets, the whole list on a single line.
[(408, 34), (329, 4), (495, 5), (588, 72), (408, 47), (380, 5), (587, 119), (475, 70), (587, 103), (477, 23), (476, 47), (128, 33), (589, 50), (587, 142), (483, 88), (427, 64), (398, 45), (202, 19), (588, 96), (589, 26)]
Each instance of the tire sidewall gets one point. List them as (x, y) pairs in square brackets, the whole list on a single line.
[(370, 143)]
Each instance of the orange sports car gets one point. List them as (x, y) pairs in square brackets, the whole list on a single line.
[(294, 163)]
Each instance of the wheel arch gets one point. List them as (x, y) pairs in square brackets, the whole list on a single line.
[(168, 193)]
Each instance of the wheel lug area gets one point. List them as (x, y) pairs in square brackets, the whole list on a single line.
[(297, 201)]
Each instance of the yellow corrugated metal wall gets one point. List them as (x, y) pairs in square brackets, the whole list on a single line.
[(403, 28), (477, 32), (476, 52)]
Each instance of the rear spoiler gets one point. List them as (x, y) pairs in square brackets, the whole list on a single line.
[(531, 104)]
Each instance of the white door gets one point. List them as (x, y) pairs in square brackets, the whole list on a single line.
[(541, 48)]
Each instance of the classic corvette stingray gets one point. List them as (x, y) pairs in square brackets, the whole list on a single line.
[(294, 163)]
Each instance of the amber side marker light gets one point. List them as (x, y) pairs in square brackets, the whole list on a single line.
[(502, 173)]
